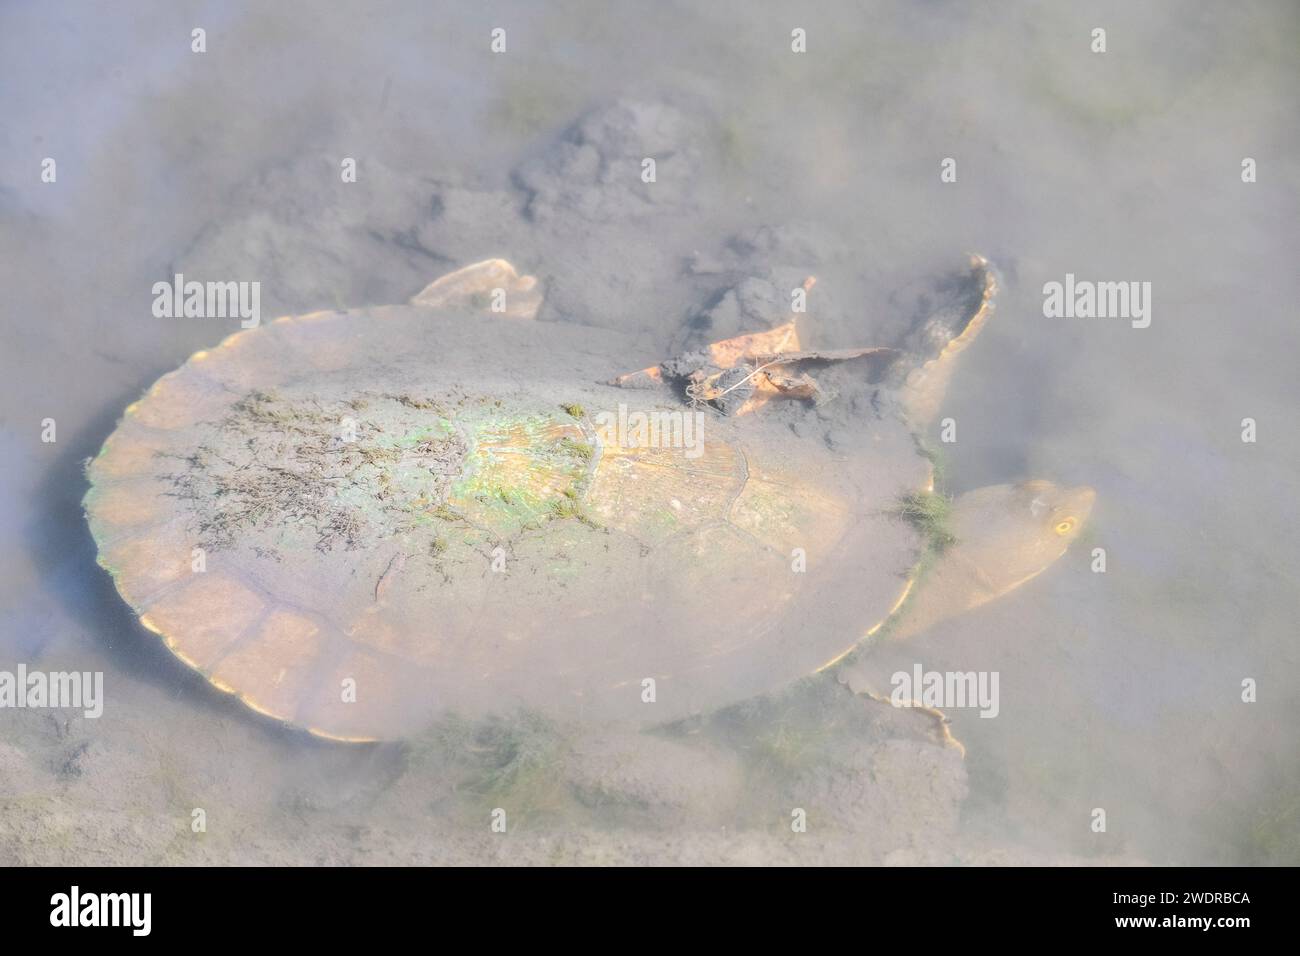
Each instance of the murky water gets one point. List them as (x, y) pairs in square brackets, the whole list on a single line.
[(1120, 691)]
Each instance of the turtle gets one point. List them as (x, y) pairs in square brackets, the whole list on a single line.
[(358, 520)]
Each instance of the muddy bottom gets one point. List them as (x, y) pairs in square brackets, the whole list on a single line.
[(1155, 689)]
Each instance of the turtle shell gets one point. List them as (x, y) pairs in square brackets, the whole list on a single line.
[(359, 521)]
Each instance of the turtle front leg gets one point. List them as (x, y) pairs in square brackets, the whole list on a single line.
[(933, 347)]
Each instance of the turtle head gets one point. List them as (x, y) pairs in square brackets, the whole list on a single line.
[(1015, 532), (1056, 514), (1004, 535)]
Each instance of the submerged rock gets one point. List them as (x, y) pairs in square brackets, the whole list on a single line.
[(597, 170)]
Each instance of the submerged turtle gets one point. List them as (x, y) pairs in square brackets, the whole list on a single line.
[(356, 521)]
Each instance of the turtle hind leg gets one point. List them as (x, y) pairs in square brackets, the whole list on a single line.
[(861, 684), (491, 286)]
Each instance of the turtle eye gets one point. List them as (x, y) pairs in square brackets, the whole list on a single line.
[(1065, 527)]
